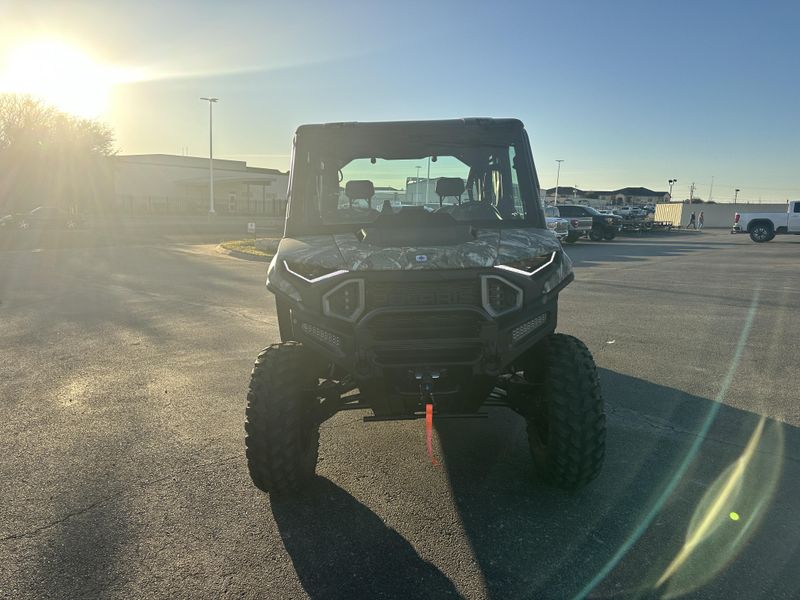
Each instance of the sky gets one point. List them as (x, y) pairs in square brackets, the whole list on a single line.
[(627, 93)]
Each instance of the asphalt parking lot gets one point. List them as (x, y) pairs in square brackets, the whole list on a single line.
[(122, 384)]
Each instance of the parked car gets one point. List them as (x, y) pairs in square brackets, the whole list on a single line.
[(630, 212), (602, 227), (762, 227), (556, 224), (50, 217), (578, 226)]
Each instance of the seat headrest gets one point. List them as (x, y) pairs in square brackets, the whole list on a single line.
[(449, 186), (359, 189)]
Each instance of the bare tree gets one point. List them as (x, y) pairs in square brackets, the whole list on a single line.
[(50, 157)]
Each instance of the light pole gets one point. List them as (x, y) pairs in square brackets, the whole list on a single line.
[(671, 182), (428, 180), (211, 102), (558, 174), (736, 194), (416, 186)]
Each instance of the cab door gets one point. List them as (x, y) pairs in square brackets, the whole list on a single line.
[(794, 217)]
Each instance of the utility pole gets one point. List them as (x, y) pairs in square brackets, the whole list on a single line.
[(736, 194), (691, 192), (211, 102), (711, 191), (558, 174)]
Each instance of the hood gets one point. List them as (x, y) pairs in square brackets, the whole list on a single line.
[(485, 248)]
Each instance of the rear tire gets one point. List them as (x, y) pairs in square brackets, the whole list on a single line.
[(572, 238), (282, 441), (761, 232), (567, 431)]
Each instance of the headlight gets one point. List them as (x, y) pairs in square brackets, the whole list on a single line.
[(345, 301), (529, 266), (311, 273), (499, 296)]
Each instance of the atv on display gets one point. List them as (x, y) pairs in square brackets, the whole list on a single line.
[(405, 293)]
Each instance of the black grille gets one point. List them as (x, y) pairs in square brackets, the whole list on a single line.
[(428, 293), (424, 326), (416, 356)]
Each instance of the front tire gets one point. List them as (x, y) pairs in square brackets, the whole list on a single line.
[(596, 234), (572, 238), (609, 235), (567, 431), (282, 441)]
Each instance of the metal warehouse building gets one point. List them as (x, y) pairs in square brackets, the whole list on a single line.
[(170, 184)]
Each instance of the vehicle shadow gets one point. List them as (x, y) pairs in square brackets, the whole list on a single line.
[(341, 549), (619, 537)]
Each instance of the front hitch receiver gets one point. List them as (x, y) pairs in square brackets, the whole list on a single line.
[(426, 379)]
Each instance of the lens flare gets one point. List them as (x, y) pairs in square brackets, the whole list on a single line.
[(712, 540)]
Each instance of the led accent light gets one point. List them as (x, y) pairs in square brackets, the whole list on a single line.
[(520, 331), (313, 273), (322, 335), (529, 266)]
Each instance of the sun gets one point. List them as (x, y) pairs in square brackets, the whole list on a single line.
[(60, 75)]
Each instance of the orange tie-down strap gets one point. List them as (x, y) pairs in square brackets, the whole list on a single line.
[(429, 432)]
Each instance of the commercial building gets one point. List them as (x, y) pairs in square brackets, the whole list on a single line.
[(169, 184), (624, 196)]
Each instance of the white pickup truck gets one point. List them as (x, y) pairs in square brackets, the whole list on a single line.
[(762, 227)]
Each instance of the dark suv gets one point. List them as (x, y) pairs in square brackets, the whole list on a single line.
[(409, 295), (604, 227)]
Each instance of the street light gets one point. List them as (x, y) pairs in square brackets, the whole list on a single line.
[(558, 174), (428, 180), (736, 195), (671, 183), (211, 102), (416, 186)]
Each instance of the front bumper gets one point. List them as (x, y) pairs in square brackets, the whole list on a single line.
[(430, 336)]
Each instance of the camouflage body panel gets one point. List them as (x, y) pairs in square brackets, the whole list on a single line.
[(491, 247), (346, 251), (363, 256), (562, 270), (276, 281)]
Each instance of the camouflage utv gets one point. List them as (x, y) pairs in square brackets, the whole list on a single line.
[(417, 273)]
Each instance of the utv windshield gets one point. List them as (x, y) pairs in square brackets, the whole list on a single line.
[(353, 183)]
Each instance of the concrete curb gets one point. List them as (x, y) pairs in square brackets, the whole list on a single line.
[(242, 255)]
